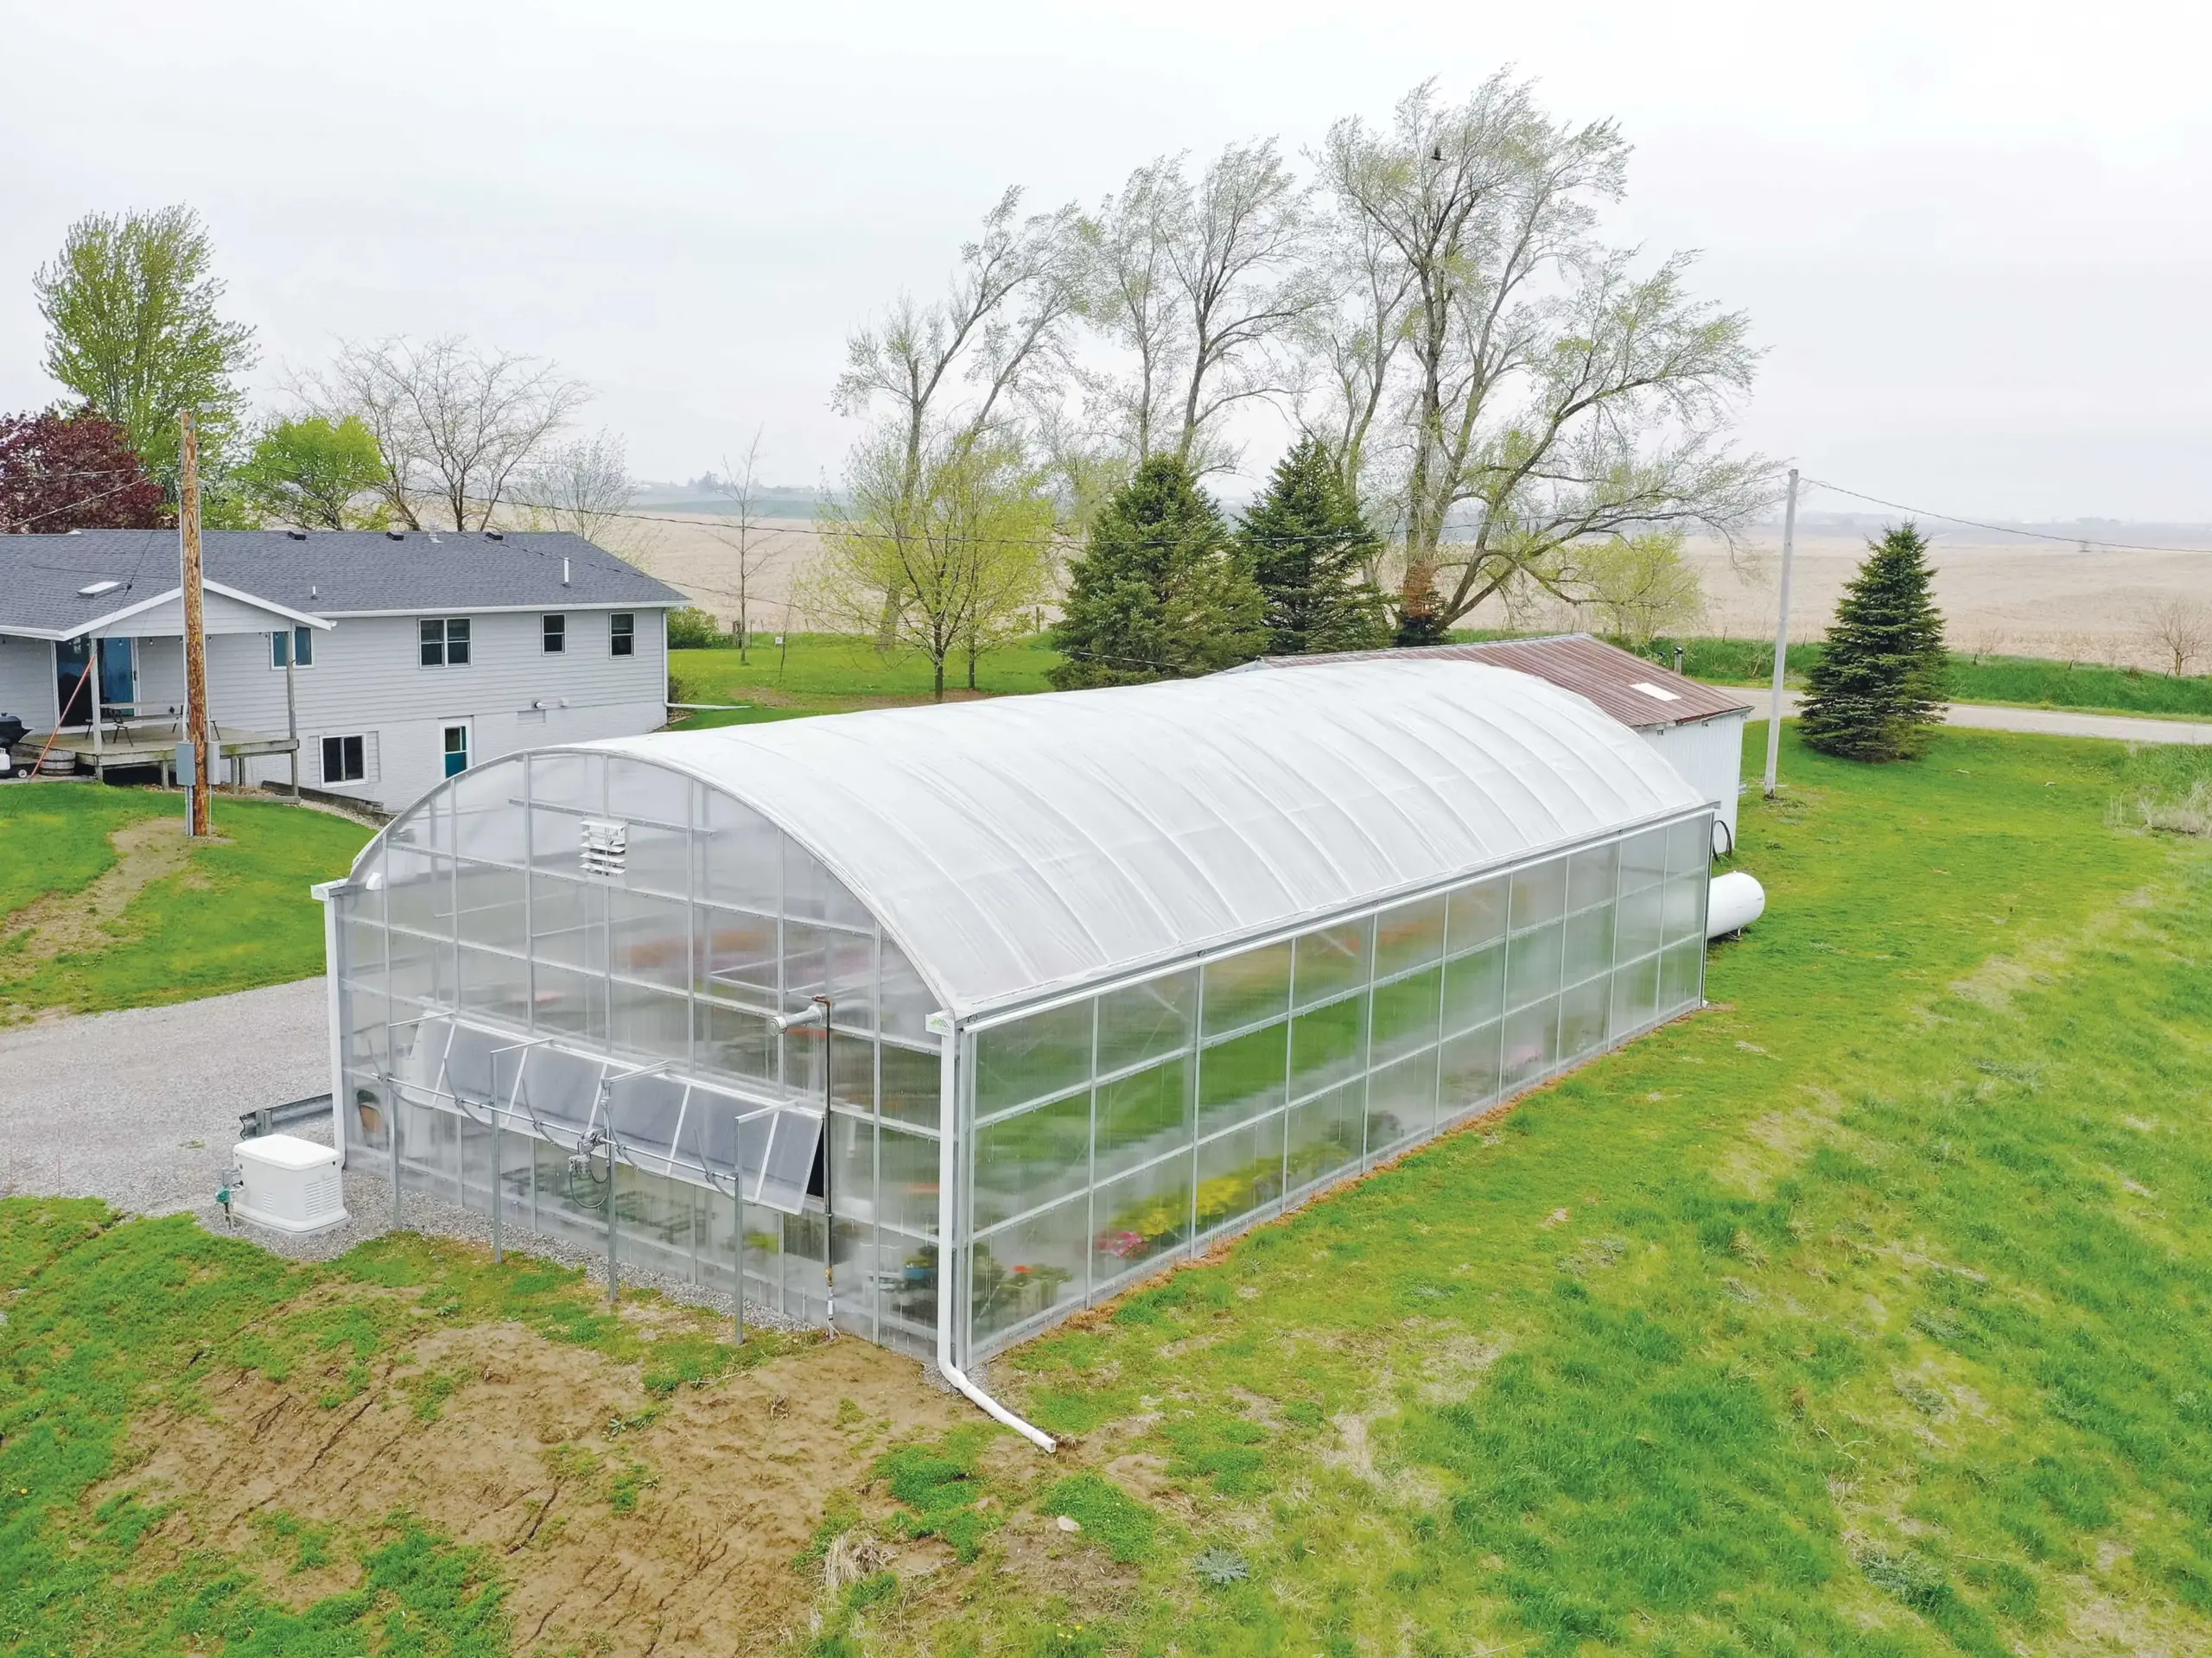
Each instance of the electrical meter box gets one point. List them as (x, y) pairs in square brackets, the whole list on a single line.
[(288, 1183)]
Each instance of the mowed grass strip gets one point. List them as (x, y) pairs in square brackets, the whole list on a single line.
[(190, 919), (1863, 1314)]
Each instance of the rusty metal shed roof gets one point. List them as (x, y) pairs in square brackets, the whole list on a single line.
[(1633, 690)]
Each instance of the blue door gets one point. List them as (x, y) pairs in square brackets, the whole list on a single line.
[(457, 749), (119, 677)]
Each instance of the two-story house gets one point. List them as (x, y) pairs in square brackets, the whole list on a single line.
[(396, 658)]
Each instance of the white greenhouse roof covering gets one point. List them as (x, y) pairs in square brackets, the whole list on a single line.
[(1028, 844)]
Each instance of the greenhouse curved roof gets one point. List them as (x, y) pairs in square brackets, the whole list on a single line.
[(1027, 844)]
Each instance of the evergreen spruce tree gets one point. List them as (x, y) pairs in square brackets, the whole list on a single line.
[(1161, 592), (1309, 549), (1879, 689)]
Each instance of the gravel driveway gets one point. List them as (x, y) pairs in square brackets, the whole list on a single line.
[(2050, 722), (141, 1108)]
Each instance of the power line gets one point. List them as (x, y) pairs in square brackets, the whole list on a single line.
[(2002, 528)]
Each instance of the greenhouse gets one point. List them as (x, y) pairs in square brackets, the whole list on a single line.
[(1022, 1000)]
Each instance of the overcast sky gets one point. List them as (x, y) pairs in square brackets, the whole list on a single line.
[(1975, 239)]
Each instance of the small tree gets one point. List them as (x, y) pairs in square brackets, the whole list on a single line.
[(62, 472), (2181, 629), (1878, 688), (748, 539), (311, 472), (1161, 591), (1640, 585), (1310, 551), (960, 563)]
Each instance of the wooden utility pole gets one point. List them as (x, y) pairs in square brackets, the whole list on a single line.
[(198, 729)]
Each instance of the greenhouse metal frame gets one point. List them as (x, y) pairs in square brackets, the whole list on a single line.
[(1089, 981)]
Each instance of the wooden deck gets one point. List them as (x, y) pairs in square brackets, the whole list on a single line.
[(123, 744)]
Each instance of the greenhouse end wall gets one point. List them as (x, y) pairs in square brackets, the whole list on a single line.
[(1107, 1136), (639, 996)]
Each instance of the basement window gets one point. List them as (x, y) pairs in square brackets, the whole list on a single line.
[(344, 760)]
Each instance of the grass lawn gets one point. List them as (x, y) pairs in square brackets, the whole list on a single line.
[(835, 673), (2027, 681), (105, 904), (1863, 1314)]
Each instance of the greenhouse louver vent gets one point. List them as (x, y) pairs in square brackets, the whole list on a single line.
[(606, 849)]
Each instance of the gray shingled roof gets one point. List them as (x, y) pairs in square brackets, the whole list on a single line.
[(327, 573)]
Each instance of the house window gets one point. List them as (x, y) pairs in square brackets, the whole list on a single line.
[(343, 760), (445, 642), (285, 648), (624, 633), (556, 635)]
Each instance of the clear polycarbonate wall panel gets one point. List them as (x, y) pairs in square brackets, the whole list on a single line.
[(1328, 1044), (1239, 1172), (1326, 1136), (1212, 1097), (1146, 1021), (1400, 1102), (1031, 1157), (1333, 962), (1246, 989), (1142, 1116), (1140, 1220), (1034, 1058), (1023, 1271)]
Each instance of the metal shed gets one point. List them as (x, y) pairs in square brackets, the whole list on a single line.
[(1699, 728), (1108, 975)]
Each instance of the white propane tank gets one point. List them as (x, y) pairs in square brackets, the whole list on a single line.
[(1733, 903)]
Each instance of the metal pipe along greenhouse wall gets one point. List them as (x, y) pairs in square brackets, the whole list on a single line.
[(1070, 1037)]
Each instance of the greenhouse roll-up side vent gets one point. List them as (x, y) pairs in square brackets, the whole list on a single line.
[(606, 848)]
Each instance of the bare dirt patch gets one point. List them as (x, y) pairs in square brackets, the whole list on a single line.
[(61, 923), (625, 1524)]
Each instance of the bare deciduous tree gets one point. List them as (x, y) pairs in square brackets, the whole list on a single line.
[(750, 541), (999, 330), (1199, 283), (457, 424), (2179, 629), (1548, 394), (584, 486), (1129, 294)]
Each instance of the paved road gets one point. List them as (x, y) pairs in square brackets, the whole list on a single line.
[(141, 1108), (2050, 722)]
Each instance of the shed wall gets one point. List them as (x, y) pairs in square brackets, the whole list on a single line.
[(1710, 756)]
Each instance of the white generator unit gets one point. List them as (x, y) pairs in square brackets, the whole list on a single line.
[(287, 1183)]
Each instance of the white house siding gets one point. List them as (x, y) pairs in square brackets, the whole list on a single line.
[(27, 681), (367, 680), (1710, 756)]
